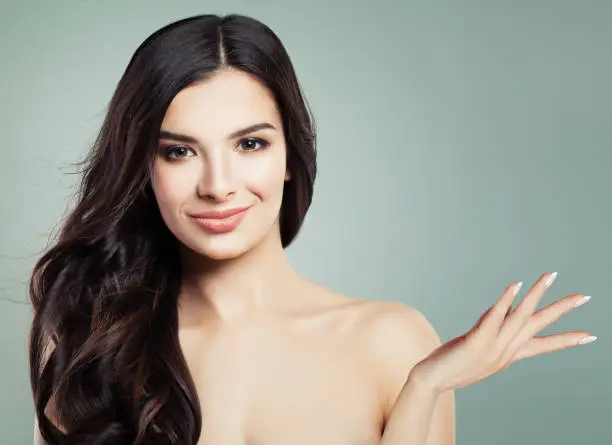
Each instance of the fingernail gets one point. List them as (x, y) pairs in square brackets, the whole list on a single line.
[(582, 300), (588, 339), (517, 288), (551, 279)]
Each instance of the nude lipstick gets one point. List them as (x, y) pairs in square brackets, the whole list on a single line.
[(220, 221)]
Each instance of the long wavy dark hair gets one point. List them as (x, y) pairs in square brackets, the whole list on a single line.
[(104, 349)]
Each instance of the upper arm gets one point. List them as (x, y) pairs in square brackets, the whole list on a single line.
[(400, 337)]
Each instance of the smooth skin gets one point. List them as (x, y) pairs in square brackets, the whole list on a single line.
[(500, 337), (276, 358)]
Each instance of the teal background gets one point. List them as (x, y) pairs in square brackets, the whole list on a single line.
[(462, 145)]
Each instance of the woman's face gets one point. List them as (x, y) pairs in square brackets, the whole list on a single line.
[(203, 165)]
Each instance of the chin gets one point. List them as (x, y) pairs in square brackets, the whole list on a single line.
[(225, 246), (219, 249), (221, 253)]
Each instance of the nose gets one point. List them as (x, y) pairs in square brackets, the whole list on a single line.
[(218, 182)]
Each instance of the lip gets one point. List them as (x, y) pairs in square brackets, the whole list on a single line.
[(220, 214), (220, 221)]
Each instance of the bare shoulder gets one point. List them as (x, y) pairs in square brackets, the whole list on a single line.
[(396, 337), (389, 337), (394, 327), (386, 328)]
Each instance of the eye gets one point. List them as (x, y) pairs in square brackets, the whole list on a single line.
[(176, 151), (252, 144)]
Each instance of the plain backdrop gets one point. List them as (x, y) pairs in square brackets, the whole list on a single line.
[(462, 145)]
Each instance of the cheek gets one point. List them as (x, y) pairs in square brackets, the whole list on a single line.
[(170, 186), (267, 178)]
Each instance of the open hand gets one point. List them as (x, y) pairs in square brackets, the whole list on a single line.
[(500, 337)]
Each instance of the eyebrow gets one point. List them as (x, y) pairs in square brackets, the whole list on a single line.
[(164, 134)]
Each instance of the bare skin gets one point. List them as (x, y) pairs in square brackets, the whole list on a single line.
[(502, 335), (328, 372), (259, 383), (275, 358), (316, 374), (292, 379)]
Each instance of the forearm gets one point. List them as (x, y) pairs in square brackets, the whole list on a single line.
[(410, 420)]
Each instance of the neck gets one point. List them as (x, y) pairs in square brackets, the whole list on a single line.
[(233, 292)]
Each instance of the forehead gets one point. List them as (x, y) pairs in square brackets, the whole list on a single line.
[(221, 104)]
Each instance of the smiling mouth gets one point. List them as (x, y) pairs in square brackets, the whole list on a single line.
[(221, 222)]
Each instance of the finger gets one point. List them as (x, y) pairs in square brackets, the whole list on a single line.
[(549, 314), (549, 343), (540, 320), (508, 312), (525, 309), (492, 319), (482, 317)]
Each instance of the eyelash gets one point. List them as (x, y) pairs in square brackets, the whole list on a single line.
[(263, 145)]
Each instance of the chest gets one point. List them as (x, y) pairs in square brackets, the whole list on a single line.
[(267, 388)]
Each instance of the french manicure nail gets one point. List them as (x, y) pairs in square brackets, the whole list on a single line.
[(517, 288), (551, 279), (582, 300), (589, 339)]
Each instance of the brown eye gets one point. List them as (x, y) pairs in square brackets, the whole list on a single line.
[(177, 151), (251, 144)]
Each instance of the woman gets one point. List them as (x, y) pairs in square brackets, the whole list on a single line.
[(167, 313)]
